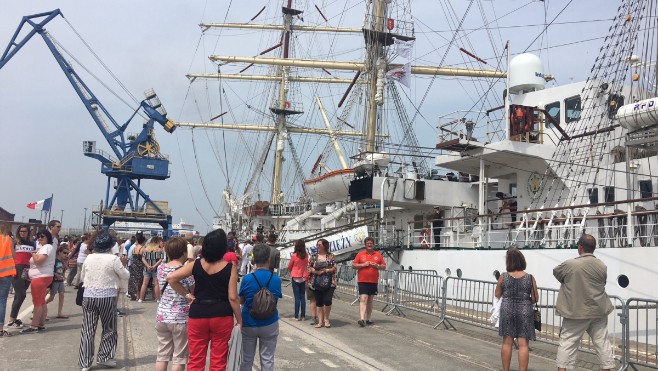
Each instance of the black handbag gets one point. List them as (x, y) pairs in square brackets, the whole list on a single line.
[(322, 282), (536, 312), (80, 294), (537, 318)]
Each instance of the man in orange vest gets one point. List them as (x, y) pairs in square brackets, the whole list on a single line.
[(7, 274)]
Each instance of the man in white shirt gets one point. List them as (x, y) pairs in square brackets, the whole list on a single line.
[(247, 248), (54, 226)]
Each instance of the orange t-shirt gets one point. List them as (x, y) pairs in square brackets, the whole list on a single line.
[(369, 274)]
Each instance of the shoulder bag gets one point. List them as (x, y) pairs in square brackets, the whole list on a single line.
[(536, 311)]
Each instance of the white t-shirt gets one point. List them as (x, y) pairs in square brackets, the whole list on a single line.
[(115, 248), (47, 268), (82, 255)]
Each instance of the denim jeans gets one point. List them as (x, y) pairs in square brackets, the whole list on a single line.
[(299, 289), (5, 284)]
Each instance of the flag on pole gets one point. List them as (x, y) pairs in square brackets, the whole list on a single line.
[(401, 74), (41, 204), (404, 48)]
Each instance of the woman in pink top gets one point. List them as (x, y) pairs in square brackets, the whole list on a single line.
[(299, 275)]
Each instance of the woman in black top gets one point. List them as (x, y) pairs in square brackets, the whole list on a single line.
[(214, 303)]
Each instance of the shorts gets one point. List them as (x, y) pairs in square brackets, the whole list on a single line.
[(148, 274), (39, 287), (310, 294), (324, 298), (172, 343), (367, 288), (56, 287)]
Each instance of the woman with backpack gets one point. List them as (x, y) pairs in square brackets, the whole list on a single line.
[(259, 313), (213, 305)]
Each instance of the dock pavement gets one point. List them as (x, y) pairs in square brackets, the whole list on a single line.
[(393, 342)]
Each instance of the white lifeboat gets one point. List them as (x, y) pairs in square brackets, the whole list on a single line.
[(330, 187)]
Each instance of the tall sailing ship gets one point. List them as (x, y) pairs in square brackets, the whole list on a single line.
[(533, 167)]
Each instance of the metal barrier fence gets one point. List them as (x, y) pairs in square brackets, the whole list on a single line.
[(641, 338), (632, 325)]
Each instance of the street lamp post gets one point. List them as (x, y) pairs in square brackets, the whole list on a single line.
[(61, 217), (84, 223)]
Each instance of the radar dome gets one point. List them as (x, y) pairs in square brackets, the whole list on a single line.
[(526, 73)]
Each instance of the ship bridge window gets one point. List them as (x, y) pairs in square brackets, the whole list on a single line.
[(572, 109), (593, 194), (646, 189), (609, 194), (553, 109)]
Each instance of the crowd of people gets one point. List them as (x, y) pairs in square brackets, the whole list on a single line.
[(201, 301)]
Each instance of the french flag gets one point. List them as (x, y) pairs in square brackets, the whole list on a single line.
[(41, 205)]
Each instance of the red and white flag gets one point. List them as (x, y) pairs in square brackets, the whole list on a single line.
[(41, 204)]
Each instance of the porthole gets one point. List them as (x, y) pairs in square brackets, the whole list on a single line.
[(459, 273), (622, 281), (496, 274), (448, 272)]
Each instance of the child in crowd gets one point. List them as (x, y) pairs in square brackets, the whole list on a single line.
[(57, 286), (173, 311)]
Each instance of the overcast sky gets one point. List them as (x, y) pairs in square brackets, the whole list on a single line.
[(153, 45)]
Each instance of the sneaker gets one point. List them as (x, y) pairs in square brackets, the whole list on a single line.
[(369, 323), (314, 321), (42, 328), (120, 313), (29, 330), (361, 323), (15, 324), (108, 363), (139, 300), (85, 369), (4, 334)]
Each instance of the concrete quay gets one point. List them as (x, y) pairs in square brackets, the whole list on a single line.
[(393, 343)]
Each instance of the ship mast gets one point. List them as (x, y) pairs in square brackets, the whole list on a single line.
[(281, 112), (377, 34), (374, 50)]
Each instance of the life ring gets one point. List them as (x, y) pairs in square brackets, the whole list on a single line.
[(423, 239)]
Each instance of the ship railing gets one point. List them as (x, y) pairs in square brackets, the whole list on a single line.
[(459, 125), (288, 209), (557, 227), (641, 348)]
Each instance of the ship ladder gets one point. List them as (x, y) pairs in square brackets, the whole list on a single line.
[(548, 235)]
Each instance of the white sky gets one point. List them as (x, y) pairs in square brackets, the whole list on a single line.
[(153, 45)]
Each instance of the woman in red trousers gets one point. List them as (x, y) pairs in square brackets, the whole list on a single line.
[(215, 307)]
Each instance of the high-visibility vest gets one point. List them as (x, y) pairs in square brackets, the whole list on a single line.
[(7, 265)]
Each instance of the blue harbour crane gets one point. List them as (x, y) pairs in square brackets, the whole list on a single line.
[(134, 157)]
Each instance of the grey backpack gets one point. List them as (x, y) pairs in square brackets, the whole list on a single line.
[(264, 304)]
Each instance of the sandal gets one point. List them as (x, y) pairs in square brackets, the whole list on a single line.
[(327, 324), (319, 325), (4, 334)]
